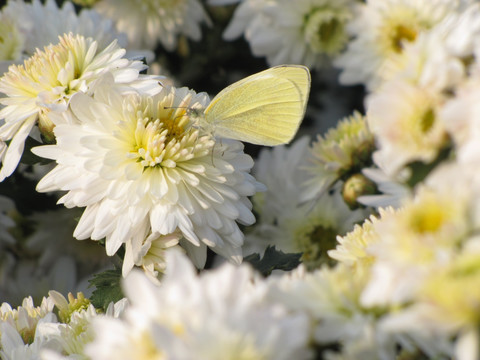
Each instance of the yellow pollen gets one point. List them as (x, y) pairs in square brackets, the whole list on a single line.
[(427, 120), (400, 34), (157, 139)]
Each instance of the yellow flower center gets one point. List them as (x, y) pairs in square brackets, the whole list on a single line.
[(427, 120), (59, 67), (432, 214), (74, 305), (324, 30), (315, 245), (163, 135), (401, 34), (427, 219), (401, 25)]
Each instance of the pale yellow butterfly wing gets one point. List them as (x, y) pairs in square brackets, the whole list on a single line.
[(265, 108)]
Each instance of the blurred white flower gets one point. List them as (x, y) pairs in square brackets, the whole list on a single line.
[(220, 314), (437, 57), (342, 151), (52, 238), (279, 170), (444, 316), (23, 277), (139, 167), (391, 191), (330, 297), (424, 234), (302, 32), (291, 225), (40, 24), (222, 2), (461, 118), (426, 61), (381, 28), (312, 229), (467, 346), (7, 206), (147, 22), (404, 120), (12, 43), (47, 257), (46, 82), (285, 219)]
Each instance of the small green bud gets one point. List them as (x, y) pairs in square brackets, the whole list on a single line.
[(355, 186)]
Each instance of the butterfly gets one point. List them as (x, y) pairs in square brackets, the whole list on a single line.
[(265, 108)]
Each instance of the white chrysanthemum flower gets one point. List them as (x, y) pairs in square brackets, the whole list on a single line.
[(310, 229), (342, 151), (42, 23), (444, 315), (25, 331), (147, 22), (13, 347), (279, 170), (313, 231), (426, 61), (404, 120), (381, 28), (46, 82), (352, 248), (443, 57), (151, 255), (24, 318), (285, 220), (139, 167), (425, 232), (330, 297), (221, 314), (450, 290), (75, 330), (246, 14), (301, 32), (12, 40)]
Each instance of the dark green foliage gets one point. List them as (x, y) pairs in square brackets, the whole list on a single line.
[(107, 288), (273, 259)]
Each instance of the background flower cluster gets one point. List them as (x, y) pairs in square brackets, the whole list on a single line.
[(129, 232)]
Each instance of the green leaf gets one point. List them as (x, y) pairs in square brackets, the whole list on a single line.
[(273, 259), (108, 288)]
